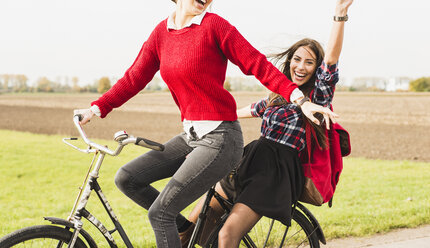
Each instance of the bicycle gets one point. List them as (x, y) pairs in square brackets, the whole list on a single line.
[(305, 229)]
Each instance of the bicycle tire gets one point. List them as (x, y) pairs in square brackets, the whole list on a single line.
[(39, 236), (302, 232)]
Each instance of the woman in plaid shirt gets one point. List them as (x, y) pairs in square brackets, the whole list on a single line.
[(270, 165)]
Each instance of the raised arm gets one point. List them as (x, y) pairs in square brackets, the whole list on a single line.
[(334, 46), (251, 62)]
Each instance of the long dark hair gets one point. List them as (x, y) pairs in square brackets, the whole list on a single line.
[(306, 88)]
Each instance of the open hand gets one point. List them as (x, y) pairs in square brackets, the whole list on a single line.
[(309, 109), (342, 7)]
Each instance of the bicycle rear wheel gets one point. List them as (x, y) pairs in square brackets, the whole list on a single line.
[(270, 233), (40, 236)]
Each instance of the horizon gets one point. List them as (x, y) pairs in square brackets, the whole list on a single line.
[(90, 40)]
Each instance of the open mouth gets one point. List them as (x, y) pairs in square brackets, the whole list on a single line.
[(299, 76), (202, 2)]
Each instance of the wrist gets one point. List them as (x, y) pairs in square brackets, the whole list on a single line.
[(95, 110), (296, 95), (340, 11), (337, 18), (303, 100)]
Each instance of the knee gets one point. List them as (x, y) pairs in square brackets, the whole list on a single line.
[(156, 215), (123, 180), (228, 236), (153, 214)]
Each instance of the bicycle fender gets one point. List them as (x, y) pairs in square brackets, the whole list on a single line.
[(314, 222), (63, 222)]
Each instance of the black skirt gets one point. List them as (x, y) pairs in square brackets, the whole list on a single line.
[(269, 179)]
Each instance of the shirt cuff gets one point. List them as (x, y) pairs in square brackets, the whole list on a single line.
[(96, 110), (296, 94)]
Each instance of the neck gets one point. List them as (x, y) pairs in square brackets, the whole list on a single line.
[(181, 17)]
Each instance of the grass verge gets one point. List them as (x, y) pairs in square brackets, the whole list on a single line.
[(40, 176)]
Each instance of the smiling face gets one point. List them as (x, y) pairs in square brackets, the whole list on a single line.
[(302, 65), (194, 7)]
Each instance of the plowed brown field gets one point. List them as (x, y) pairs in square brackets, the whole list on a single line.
[(382, 125)]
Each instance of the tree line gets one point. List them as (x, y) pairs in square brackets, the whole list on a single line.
[(19, 83), (420, 85)]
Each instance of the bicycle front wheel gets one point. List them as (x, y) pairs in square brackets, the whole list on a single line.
[(270, 233), (40, 236)]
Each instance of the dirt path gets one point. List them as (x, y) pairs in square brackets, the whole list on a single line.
[(370, 140), (402, 238)]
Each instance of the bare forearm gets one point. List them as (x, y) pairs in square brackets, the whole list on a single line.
[(244, 112), (335, 42)]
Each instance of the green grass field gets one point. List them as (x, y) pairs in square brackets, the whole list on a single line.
[(40, 176)]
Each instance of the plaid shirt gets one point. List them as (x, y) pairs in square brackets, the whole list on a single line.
[(284, 124)]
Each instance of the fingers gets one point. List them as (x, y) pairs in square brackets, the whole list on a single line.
[(311, 117), (87, 114), (309, 109), (327, 121), (333, 118), (329, 116), (85, 120)]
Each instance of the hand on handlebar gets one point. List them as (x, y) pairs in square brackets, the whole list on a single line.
[(82, 116), (87, 114)]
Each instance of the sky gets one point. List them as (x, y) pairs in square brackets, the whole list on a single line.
[(90, 39)]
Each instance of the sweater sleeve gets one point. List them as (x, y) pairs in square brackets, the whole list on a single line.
[(134, 80), (251, 62)]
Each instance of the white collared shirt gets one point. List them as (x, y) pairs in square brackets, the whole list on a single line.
[(195, 20)]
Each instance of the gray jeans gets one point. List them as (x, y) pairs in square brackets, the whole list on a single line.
[(194, 165)]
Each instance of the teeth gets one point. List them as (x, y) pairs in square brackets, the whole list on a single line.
[(300, 75)]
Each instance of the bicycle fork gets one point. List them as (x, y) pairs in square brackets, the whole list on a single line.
[(79, 211), (82, 198)]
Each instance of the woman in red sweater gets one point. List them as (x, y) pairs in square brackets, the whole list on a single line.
[(191, 49)]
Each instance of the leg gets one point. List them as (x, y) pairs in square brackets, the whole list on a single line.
[(214, 204), (212, 158), (134, 178), (241, 219), (212, 217)]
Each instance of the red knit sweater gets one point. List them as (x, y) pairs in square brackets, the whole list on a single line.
[(193, 63)]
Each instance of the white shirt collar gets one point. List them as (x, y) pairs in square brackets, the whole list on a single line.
[(196, 20)]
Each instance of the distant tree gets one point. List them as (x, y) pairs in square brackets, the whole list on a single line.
[(227, 85), (75, 85), (103, 85), (6, 79), (44, 85), (20, 83), (420, 85)]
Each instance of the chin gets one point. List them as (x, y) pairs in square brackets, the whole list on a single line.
[(300, 83)]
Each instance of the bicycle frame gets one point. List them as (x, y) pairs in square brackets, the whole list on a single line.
[(90, 184), (226, 205), (75, 218)]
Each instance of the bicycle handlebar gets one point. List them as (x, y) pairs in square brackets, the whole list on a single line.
[(93, 147)]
